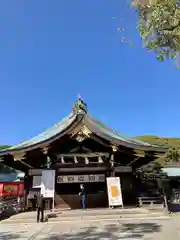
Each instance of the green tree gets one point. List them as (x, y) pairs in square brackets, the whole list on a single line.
[(172, 156), (159, 27), (2, 147), (4, 168), (150, 170), (154, 168)]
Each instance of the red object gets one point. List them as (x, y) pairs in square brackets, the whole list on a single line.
[(11, 189)]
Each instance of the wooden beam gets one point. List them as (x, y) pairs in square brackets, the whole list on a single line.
[(123, 169), (82, 169), (133, 161), (93, 154), (96, 139), (26, 164)]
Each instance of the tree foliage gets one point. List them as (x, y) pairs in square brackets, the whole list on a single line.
[(4, 168), (149, 171), (154, 169), (159, 27), (2, 147), (172, 156)]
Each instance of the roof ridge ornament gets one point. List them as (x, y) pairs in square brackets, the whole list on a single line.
[(80, 107)]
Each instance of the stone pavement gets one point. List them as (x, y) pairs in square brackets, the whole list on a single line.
[(103, 230), (20, 231), (89, 215)]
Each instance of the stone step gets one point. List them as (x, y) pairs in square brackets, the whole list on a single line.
[(104, 216), (86, 218), (68, 215), (78, 213)]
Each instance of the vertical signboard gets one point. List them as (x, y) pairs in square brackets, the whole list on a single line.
[(48, 183), (114, 191)]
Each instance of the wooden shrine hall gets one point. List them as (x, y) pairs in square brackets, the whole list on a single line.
[(81, 149)]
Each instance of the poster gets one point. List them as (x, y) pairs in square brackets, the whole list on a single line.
[(48, 183), (11, 189), (114, 191)]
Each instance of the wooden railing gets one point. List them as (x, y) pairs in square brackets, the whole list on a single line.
[(151, 201)]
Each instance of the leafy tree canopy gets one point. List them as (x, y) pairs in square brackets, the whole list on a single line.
[(154, 169), (3, 147), (159, 27), (4, 168)]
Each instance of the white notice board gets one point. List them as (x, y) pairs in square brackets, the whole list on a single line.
[(48, 183), (114, 191)]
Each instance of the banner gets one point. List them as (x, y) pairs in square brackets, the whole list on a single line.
[(48, 183), (114, 191), (11, 189)]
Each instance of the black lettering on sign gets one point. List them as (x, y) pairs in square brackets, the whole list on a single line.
[(91, 178), (60, 179), (70, 179), (81, 178), (101, 178)]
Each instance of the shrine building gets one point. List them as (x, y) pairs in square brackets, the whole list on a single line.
[(81, 149)]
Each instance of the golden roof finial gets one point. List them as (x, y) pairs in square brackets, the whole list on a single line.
[(79, 97), (80, 106)]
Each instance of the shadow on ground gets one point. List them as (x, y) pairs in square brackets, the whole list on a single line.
[(7, 236), (113, 232)]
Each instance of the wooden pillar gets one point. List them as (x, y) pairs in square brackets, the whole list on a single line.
[(114, 149), (161, 186), (48, 160), (86, 160), (26, 189), (48, 165), (62, 160), (100, 159), (75, 159), (112, 165)]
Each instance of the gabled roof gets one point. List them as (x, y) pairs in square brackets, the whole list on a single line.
[(79, 113), (46, 135), (100, 129)]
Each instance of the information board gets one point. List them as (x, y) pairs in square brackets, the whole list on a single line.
[(114, 191)]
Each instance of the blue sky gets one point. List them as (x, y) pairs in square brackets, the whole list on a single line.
[(51, 51)]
